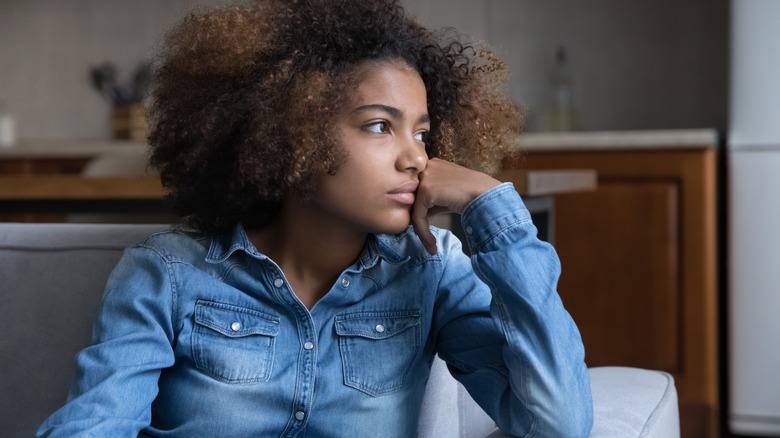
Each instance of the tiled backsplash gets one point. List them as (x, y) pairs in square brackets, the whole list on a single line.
[(635, 65)]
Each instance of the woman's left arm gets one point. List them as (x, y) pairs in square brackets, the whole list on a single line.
[(506, 335)]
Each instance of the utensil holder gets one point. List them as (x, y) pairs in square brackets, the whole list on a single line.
[(129, 122)]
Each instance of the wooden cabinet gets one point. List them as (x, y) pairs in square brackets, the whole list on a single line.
[(39, 166), (639, 261), (26, 166), (33, 168)]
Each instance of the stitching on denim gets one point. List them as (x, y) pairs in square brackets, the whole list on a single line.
[(523, 390), (521, 222)]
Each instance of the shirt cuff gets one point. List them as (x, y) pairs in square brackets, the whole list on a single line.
[(491, 213)]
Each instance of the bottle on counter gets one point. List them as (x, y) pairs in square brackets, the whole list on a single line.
[(561, 117), (7, 129)]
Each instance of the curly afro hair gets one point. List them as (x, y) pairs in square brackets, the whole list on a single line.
[(245, 99)]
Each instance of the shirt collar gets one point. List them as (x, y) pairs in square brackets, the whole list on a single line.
[(224, 244), (379, 247)]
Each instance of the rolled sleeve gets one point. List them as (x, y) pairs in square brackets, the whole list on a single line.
[(491, 213), (542, 387)]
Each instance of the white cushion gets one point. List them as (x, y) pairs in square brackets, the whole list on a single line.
[(633, 402)]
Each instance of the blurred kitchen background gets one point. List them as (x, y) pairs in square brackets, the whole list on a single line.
[(633, 65), (670, 263)]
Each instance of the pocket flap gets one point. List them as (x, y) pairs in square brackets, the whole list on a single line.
[(376, 325), (234, 321)]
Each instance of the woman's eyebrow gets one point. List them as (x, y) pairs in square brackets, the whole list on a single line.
[(393, 111)]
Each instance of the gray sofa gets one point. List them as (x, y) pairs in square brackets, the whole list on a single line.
[(51, 281)]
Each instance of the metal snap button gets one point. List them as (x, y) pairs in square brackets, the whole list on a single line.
[(236, 326), (379, 328)]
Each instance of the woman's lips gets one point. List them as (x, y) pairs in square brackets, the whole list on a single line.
[(404, 194), (403, 198)]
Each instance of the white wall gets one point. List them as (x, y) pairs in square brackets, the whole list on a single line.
[(753, 160), (755, 75), (635, 65)]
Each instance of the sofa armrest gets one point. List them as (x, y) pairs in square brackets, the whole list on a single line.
[(627, 403), (633, 402)]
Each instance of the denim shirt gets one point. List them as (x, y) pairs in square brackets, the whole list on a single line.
[(201, 335)]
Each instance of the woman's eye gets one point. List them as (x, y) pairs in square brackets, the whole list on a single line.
[(421, 136), (379, 127)]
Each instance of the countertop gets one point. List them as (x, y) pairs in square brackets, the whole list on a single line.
[(538, 141), (619, 140), (68, 148)]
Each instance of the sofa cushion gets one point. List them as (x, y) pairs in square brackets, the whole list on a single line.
[(51, 281)]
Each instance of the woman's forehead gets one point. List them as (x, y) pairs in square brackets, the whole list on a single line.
[(388, 82)]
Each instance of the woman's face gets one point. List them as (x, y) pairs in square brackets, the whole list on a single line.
[(382, 130)]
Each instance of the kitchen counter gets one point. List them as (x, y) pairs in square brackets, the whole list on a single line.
[(64, 189), (68, 148), (619, 140), (532, 141)]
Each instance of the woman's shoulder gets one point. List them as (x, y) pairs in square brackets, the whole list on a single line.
[(177, 243)]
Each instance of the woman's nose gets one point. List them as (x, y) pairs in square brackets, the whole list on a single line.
[(412, 156)]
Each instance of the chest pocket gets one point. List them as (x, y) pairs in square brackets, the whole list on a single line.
[(378, 349), (233, 344)]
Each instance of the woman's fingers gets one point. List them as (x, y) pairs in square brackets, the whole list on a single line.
[(445, 187), (421, 226)]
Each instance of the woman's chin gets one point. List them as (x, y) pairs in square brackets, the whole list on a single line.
[(395, 226)]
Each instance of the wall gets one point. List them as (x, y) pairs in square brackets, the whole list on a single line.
[(48, 46), (635, 65)]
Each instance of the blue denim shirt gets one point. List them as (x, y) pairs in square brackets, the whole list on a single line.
[(201, 335)]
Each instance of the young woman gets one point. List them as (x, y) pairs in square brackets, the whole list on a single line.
[(306, 143)]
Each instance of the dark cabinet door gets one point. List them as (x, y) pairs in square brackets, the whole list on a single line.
[(639, 258)]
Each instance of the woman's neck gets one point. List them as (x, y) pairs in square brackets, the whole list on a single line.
[(311, 251)]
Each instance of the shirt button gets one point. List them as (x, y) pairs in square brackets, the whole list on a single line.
[(469, 230), (345, 282), (278, 282), (308, 346), (236, 326), (379, 328), (300, 415)]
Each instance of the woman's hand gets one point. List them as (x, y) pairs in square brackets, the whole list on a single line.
[(445, 188)]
